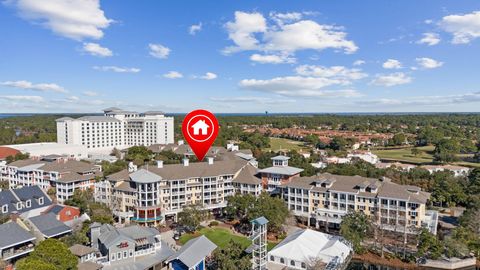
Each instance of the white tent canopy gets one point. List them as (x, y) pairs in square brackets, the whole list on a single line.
[(305, 246)]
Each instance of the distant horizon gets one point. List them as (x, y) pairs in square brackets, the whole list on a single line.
[(255, 113)]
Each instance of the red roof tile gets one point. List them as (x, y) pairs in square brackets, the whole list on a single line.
[(7, 151)]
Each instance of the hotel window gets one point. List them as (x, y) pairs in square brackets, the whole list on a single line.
[(119, 255), (292, 263), (131, 253), (112, 257), (125, 255)]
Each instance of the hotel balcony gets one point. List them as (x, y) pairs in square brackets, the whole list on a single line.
[(121, 214), (14, 252)]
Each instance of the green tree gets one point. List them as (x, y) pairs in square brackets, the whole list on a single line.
[(398, 139), (354, 228), (50, 254), (338, 144), (191, 216), (446, 150), (429, 245), (415, 151), (231, 257), (139, 155), (272, 208)]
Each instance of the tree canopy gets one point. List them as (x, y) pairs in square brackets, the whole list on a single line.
[(50, 254)]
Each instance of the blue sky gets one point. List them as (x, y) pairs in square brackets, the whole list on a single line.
[(240, 56)]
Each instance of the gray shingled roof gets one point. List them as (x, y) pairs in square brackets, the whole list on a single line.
[(194, 251), (55, 209), (280, 157), (49, 226), (13, 196), (11, 234), (247, 176), (81, 250), (284, 170), (144, 176), (110, 235)]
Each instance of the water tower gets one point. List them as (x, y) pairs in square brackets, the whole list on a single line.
[(259, 245)]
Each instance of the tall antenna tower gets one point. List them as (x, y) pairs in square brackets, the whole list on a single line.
[(259, 245)]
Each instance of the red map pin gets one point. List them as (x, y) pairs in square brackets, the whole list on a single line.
[(200, 129)]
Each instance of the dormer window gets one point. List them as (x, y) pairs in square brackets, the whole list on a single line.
[(5, 208), (40, 201), (19, 205), (28, 203)]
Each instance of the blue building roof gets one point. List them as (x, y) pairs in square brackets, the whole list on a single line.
[(11, 198), (260, 221)]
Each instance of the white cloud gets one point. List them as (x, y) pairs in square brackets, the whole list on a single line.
[(392, 64), (44, 87), (392, 79), (90, 93), (209, 76), (338, 72), (428, 63), (173, 75), (308, 34), (23, 98), (425, 100), (242, 30), (96, 50), (75, 19), (159, 51), (193, 29), (463, 27), (117, 69), (358, 63), (298, 86), (282, 18), (259, 100), (286, 37), (272, 58), (429, 39)]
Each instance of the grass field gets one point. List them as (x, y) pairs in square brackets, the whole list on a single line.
[(405, 154), (221, 237), (425, 156), (281, 144)]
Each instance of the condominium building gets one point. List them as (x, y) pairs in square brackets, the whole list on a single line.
[(62, 174), (151, 194), (324, 199), (116, 128), (280, 173)]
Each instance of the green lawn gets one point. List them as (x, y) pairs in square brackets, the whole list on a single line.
[(425, 156), (221, 237), (405, 154), (281, 144)]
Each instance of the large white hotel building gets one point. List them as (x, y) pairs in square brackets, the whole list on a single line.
[(116, 128)]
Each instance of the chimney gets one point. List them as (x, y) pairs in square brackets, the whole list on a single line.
[(185, 162), (180, 142), (210, 160), (132, 167), (159, 164), (14, 216)]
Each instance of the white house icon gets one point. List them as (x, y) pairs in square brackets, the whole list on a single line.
[(200, 125)]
